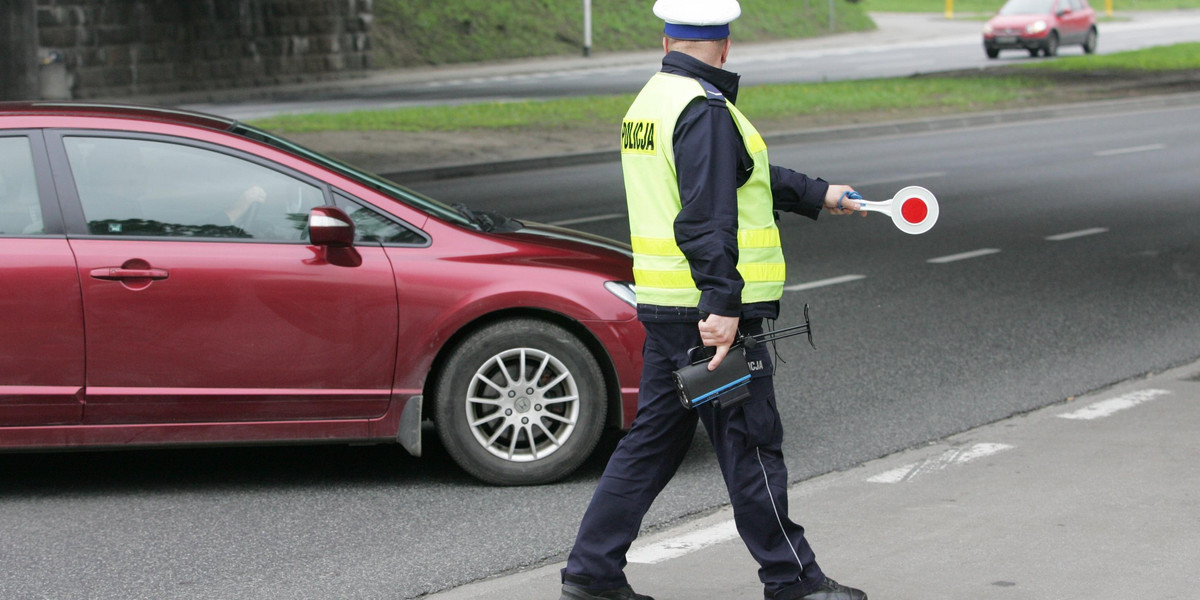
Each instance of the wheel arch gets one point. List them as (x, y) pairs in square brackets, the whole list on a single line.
[(608, 370)]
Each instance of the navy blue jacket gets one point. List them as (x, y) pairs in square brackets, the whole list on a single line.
[(711, 163)]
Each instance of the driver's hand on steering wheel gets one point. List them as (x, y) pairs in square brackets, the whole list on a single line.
[(246, 205), (253, 195)]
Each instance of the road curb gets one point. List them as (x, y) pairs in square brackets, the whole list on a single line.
[(901, 127)]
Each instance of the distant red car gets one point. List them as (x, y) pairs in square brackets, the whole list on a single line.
[(1040, 26), (176, 278)]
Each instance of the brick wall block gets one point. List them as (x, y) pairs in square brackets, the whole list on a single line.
[(124, 47)]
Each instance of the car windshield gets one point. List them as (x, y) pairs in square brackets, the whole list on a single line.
[(1027, 7), (374, 182)]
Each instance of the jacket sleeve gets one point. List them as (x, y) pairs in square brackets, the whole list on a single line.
[(705, 144), (797, 193)]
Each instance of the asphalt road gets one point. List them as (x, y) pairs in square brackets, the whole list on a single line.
[(1066, 259), (907, 351)]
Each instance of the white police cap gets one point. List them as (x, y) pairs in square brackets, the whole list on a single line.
[(697, 19)]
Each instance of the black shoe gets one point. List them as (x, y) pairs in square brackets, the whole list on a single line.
[(570, 592), (832, 590)]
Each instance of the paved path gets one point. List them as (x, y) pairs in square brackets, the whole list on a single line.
[(1092, 499)]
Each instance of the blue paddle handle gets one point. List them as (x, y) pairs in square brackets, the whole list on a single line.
[(853, 195)]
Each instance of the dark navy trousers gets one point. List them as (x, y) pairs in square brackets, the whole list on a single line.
[(747, 440)]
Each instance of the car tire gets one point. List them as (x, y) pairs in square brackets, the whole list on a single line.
[(520, 402), (992, 52), (1089, 42), (1051, 48)]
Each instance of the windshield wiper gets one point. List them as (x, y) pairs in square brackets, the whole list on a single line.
[(488, 221)]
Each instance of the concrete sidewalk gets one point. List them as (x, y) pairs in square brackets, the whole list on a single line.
[(1091, 499)]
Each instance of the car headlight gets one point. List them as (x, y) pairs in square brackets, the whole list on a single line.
[(622, 290), (987, 29), (1035, 27)]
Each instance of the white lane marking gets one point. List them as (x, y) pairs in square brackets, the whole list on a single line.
[(938, 463), (824, 282), (941, 260), (904, 63), (594, 219), (1130, 150), (1076, 234), (678, 546), (905, 178), (1106, 408)]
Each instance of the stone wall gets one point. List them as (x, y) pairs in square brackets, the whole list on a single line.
[(115, 48), (18, 50)]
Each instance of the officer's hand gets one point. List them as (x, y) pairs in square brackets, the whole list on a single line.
[(720, 332), (837, 203)]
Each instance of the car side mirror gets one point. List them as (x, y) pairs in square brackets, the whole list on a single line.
[(332, 229)]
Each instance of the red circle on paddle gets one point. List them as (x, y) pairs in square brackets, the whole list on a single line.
[(914, 210)]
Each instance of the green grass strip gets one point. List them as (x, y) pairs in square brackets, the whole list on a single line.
[(758, 102), (489, 115), (1178, 57), (781, 101), (991, 6)]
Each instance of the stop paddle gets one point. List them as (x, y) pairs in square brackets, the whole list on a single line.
[(913, 209)]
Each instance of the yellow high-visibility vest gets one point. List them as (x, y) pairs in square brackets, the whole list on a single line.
[(660, 269)]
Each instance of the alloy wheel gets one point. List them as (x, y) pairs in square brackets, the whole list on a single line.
[(522, 404)]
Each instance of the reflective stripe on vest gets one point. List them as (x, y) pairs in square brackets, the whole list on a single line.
[(660, 269)]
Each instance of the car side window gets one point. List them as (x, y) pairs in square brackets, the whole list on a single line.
[(370, 226), (20, 209), (134, 187)]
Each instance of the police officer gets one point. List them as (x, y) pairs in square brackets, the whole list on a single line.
[(702, 200)]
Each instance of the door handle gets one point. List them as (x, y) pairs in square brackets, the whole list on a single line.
[(121, 273)]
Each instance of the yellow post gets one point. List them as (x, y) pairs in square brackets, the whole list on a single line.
[(1108, 11), (950, 8)]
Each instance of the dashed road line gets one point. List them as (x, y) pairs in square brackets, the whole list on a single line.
[(912, 177), (1107, 408), (899, 63), (823, 282), (949, 458), (1130, 150), (593, 219), (1076, 234), (678, 546), (941, 260)]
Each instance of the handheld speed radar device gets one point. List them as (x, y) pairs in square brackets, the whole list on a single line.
[(727, 385)]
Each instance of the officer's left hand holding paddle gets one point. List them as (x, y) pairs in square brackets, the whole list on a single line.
[(838, 201)]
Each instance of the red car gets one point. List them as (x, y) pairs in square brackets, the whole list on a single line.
[(1040, 26), (177, 278)]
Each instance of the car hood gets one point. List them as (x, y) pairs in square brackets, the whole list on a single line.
[(570, 239), (573, 250)]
